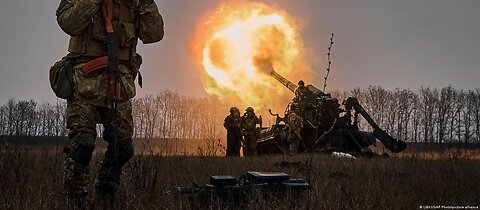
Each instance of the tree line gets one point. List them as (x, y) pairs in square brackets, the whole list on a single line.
[(30, 118), (165, 115), (170, 115), (430, 115)]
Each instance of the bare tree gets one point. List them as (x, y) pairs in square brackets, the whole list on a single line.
[(476, 113), (445, 109), (429, 99)]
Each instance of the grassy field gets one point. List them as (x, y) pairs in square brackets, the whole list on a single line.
[(31, 178)]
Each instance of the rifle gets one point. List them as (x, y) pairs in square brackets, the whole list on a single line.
[(113, 72)]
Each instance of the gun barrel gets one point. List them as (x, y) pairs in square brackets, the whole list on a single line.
[(290, 85)]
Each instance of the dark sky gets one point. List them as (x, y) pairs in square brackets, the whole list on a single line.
[(391, 43)]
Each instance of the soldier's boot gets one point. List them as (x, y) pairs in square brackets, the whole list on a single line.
[(104, 197), (75, 185)]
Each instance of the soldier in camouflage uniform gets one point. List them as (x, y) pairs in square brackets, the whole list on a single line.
[(306, 101), (249, 123), (82, 20), (232, 124), (295, 125), (301, 92)]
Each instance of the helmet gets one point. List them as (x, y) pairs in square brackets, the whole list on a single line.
[(294, 106), (233, 109), (249, 109), (301, 83)]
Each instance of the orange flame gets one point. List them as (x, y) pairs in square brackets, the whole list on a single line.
[(230, 42)]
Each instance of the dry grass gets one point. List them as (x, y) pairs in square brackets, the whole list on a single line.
[(452, 153), (32, 179)]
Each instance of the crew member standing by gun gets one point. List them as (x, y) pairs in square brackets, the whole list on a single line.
[(249, 123), (234, 138), (102, 46), (295, 125)]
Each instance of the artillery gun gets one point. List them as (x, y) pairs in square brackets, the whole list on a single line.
[(327, 127)]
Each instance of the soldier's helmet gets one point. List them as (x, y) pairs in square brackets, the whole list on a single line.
[(301, 83), (294, 106), (249, 109), (233, 110)]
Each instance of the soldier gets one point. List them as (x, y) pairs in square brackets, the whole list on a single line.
[(83, 21), (249, 123), (301, 92), (306, 101), (295, 125), (232, 124)]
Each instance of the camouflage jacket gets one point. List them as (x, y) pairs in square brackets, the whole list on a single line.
[(301, 93), (232, 125), (295, 124), (132, 19), (249, 124)]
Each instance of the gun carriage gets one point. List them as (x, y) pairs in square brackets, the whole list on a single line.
[(328, 126)]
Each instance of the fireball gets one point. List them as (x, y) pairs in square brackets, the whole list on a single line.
[(230, 43)]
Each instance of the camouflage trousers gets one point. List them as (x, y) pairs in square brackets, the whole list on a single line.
[(249, 145), (294, 142), (82, 119)]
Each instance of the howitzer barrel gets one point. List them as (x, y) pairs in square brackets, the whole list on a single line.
[(290, 85)]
